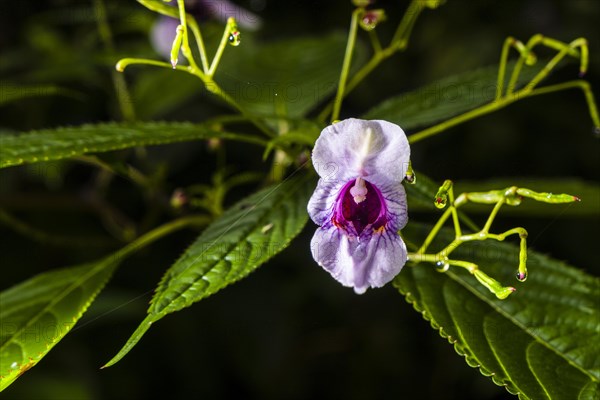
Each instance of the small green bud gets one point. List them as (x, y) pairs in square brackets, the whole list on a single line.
[(176, 46), (441, 197), (234, 34), (179, 199), (493, 285)]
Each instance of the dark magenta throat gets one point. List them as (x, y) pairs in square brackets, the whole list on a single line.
[(360, 211)]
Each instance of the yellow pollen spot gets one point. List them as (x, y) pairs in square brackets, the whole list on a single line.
[(381, 229)]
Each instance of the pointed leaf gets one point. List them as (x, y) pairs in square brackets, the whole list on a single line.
[(445, 98), (243, 238), (542, 342), (36, 314), (55, 144)]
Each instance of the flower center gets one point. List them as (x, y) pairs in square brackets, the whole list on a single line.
[(361, 204)]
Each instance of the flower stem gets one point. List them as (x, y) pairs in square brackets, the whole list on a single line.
[(185, 46), (337, 104), (483, 110), (220, 49), (400, 38), (161, 231), (398, 43)]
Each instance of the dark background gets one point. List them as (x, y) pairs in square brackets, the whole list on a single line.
[(289, 332)]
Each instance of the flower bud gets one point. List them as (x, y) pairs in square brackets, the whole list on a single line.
[(370, 18)]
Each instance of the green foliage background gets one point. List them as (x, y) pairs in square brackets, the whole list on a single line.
[(290, 331)]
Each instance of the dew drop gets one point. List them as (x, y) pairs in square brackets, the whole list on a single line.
[(440, 201), (442, 266), (521, 276), (234, 38)]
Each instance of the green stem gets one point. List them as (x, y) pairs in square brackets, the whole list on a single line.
[(161, 8), (126, 62), (400, 38), (435, 230), (337, 104), (199, 42), (163, 230), (584, 86), (131, 173), (478, 112), (502, 69), (490, 220), (185, 45), (120, 86), (398, 43), (220, 50)]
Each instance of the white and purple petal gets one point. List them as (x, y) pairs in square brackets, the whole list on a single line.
[(370, 261), (359, 202), (376, 149)]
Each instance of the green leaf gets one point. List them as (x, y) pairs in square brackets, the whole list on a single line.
[(55, 144), (10, 92), (243, 238), (445, 98), (287, 77), (542, 342), (36, 314)]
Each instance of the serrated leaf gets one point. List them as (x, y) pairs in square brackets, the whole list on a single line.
[(243, 238), (36, 314), (445, 98), (55, 144), (542, 342)]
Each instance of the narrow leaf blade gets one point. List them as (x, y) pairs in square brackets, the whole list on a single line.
[(242, 239), (36, 314), (55, 144)]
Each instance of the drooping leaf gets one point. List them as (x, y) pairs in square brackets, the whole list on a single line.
[(36, 314), (445, 98), (243, 238), (542, 342), (286, 78), (55, 144)]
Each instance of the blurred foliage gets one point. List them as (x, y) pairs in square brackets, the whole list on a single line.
[(290, 332)]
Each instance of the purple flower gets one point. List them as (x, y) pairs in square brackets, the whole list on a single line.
[(359, 202)]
